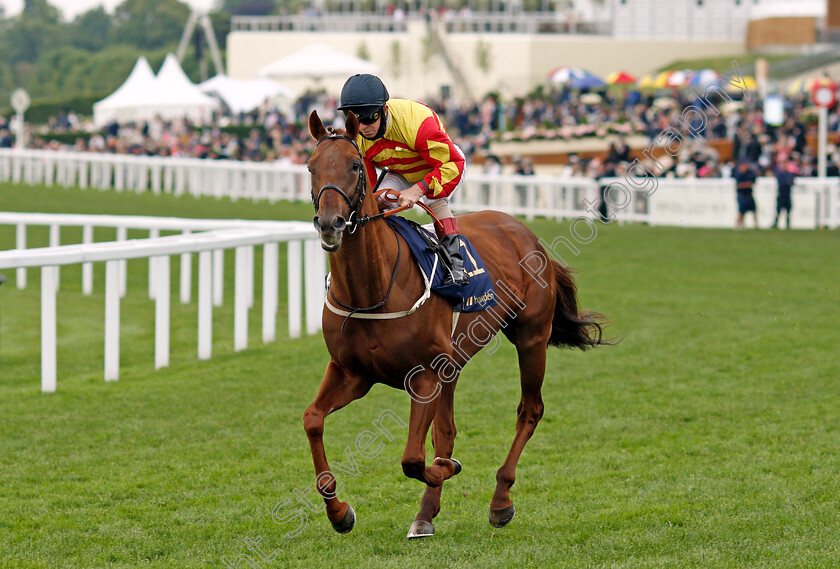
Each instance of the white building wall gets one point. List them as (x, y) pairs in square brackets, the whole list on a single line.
[(519, 62)]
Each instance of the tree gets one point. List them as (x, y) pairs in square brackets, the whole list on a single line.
[(93, 55), (107, 69), (362, 52), (36, 30), (150, 24), (58, 72), (90, 31), (41, 10), (249, 7), (7, 83), (483, 56)]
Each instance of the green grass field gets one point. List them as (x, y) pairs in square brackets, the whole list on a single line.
[(724, 64), (707, 438)]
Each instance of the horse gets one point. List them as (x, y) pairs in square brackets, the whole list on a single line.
[(373, 336)]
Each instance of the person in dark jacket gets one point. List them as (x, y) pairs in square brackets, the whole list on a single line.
[(745, 177), (618, 152), (753, 150), (786, 171)]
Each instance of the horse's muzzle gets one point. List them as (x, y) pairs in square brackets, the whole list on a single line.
[(331, 231)]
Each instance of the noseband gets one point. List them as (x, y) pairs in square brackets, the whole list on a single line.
[(354, 222)]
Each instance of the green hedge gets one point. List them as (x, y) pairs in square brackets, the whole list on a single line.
[(242, 131), (41, 110), (66, 137)]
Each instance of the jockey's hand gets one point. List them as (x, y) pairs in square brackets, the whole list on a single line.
[(388, 200), (411, 196), (382, 203)]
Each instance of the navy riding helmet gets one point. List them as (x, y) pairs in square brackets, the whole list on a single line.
[(365, 95)]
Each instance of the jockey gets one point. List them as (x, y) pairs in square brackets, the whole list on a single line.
[(424, 164)]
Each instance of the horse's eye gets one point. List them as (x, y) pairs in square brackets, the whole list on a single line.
[(356, 166)]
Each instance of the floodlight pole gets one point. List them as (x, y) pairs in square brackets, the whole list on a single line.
[(207, 27), (186, 36), (210, 35)]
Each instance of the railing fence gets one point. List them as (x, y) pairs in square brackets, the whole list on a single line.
[(214, 237), (681, 202)]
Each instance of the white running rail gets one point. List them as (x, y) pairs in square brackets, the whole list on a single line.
[(300, 238), (121, 172), (678, 202)]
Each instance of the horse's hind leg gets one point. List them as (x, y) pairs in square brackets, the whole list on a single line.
[(532, 369), (443, 439)]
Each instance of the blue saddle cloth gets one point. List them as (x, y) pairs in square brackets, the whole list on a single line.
[(472, 297)]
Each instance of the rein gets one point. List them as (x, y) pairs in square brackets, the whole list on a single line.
[(355, 312)]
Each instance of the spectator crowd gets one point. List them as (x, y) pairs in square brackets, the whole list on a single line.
[(268, 134)]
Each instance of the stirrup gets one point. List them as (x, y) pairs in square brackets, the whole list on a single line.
[(449, 279)]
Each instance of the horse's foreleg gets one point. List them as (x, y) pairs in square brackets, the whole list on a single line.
[(337, 390), (528, 415), (443, 439), (425, 394)]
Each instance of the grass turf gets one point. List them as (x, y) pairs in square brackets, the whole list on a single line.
[(724, 64), (706, 438)]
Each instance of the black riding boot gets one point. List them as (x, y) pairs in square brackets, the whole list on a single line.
[(457, 273)]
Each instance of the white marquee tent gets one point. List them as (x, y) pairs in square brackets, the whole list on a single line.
[(244, 95), (119, 104), (170, 95), (317, 61)]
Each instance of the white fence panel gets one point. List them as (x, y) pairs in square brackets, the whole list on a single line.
[(122, 223), (712, 202), (159, 251)]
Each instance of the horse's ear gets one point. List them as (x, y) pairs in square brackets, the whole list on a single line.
[(316, 127), (351, 125)]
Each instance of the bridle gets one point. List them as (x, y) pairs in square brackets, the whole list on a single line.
[(355, 204), (354, 222)]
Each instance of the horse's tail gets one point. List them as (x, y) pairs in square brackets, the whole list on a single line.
[(584, 330)]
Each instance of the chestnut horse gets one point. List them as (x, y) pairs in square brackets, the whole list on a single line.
[(374, 274)]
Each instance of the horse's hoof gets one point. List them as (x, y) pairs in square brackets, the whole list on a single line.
[(347, 522), (420, 529), (455, 463), (501, 518)]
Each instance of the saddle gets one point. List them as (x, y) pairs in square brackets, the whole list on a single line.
[(425, 247)]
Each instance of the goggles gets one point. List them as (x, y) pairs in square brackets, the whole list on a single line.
[(369, 119)]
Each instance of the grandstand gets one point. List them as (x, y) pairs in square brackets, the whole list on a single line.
[(511, 47)]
